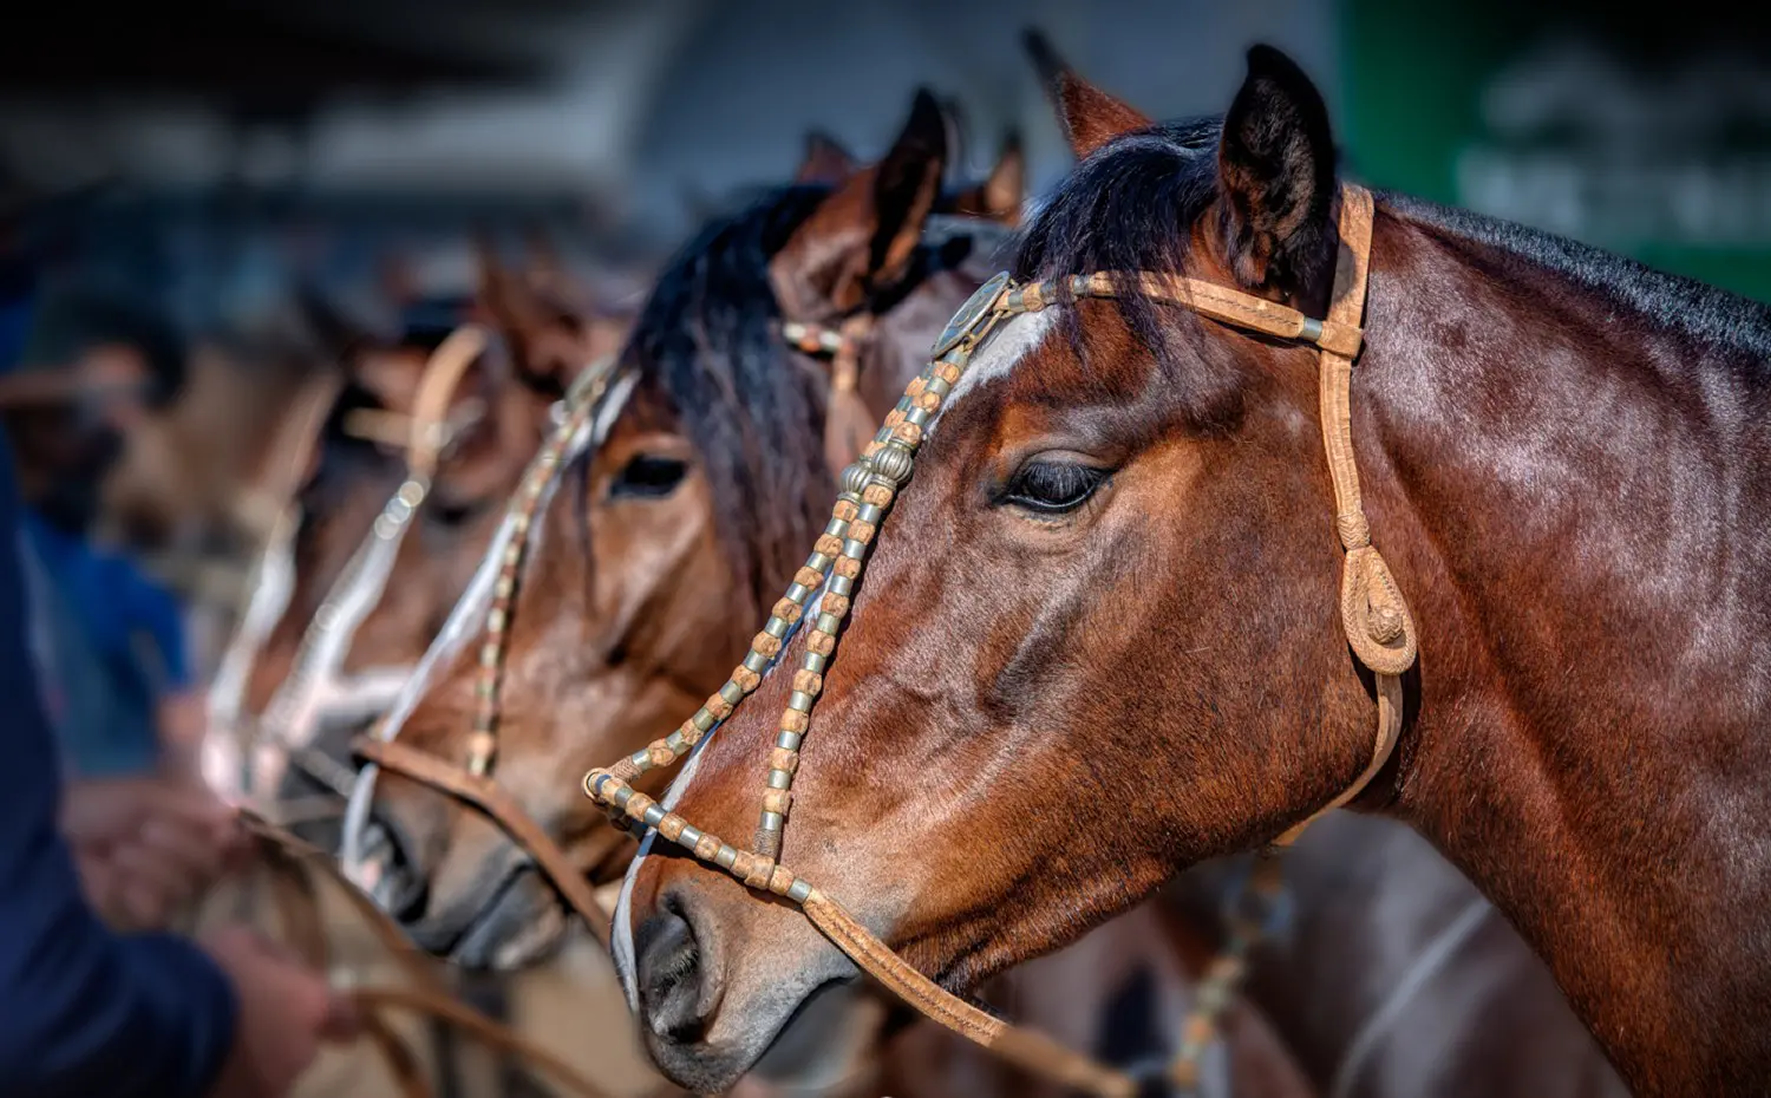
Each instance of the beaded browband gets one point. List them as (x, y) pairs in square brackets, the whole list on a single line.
[(1375, 617)]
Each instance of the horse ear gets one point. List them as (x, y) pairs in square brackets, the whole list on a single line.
[(999, 197), (1089, 116), (866, 232), (906, 186), (825, 161), (1276, 175), (541, 329)]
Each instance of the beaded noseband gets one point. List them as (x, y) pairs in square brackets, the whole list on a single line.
[(1374, 615)]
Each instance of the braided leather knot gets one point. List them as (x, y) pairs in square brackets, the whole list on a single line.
[(1355, 532), (1374, 614)]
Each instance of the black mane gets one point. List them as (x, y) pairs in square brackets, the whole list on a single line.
[(1698, 310), (1126, 208), (709, 340)]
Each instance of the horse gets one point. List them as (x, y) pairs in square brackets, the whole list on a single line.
[(714, 462), (1120, 519), (498, 408), (1395, 976)]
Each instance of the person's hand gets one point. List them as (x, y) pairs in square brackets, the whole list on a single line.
[(146, 846), (286, 1011)]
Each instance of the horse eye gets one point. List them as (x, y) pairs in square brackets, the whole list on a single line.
[(456, 513), (648, 477), (1053, 487)]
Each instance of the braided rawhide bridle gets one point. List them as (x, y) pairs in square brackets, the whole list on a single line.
[(1374, 615), (472, 782), (311, 689)]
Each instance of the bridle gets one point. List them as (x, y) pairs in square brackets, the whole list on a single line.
[(846, 419), (1374, 615), (314, 690), (472, 783)]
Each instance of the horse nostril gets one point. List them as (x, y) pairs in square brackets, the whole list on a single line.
[(677, 994), (403, 891)]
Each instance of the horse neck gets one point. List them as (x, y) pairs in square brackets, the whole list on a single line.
[(1571, 495)]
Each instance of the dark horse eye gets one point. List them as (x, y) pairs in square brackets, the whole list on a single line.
[(456, 513), (1053, 487), (648, 477)]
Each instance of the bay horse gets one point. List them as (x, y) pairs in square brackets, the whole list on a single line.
[(1103, 614), (544, 329)]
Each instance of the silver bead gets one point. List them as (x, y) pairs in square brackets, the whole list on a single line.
[(855, 478), (892, 462)]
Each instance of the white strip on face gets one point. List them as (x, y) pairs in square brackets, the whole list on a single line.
[(223, 760), (1018, 337), (621, 935), (469, 615)]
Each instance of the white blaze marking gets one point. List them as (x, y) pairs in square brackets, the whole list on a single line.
[(1001, 353)]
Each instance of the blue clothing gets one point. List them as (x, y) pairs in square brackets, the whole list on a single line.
[(117, 646), (84, 1012)]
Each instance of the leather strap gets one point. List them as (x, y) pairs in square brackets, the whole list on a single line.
[(436, 391), (287, 857), (1025, 1048), (487, 796), (1341, 334), (1374, 614)]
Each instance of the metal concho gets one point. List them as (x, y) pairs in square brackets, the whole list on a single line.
[(975, 309)]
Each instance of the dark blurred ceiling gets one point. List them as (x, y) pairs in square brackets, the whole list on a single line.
[(256, 56)]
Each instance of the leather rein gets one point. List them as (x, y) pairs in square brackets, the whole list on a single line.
[(1374, 615)]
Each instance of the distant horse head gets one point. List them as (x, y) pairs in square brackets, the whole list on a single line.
[(367, 594), (709, 467)]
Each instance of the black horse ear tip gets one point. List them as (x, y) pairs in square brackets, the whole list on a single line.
[(927, 116), (926, 105), (1051, 67), (1265, 59)]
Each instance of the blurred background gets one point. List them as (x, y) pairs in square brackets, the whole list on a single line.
[(210, 152), (206, 160)]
